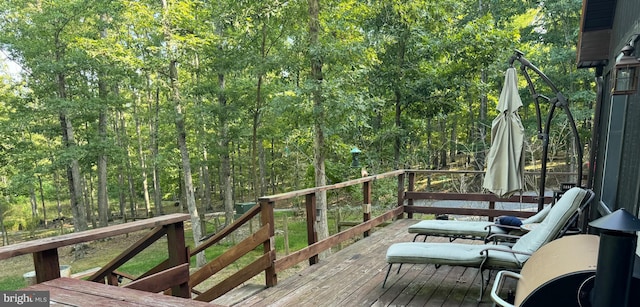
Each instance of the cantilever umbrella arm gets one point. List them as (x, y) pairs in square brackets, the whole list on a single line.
[(543, 134)]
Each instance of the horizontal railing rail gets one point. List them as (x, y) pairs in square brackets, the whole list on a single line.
[(491, 212)]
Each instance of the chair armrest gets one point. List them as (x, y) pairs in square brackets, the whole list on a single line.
[(494, 237), (506, 250), (497, 285), (488, 227), (490, 235)]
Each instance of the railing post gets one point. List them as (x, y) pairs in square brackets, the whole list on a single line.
[(366, 215), (410, 188), (47, 265), (366, 203), (401, 193), (176, 249), (267, 217), (312, 234), (492, 206)]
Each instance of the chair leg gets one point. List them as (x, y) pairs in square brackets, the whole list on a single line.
[(400, 267), (387, 276), (484, 284), (481, 268), (488, 277), (419, 234), (481, 286)]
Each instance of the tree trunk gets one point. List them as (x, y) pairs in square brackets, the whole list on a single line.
[(122, 198), (254, 141), (206, 181), (143, 163), (258, 181), (157, 191), (453, 148), (225, 157), (263, 169), (196, 226), (429, 144), (206, 199), (88, 200), (103, 198), (482, 131), (56, 183), (272, 175), (3, 208), (133, 204), (318, 122), (44, 209), (74, 180), (68, 140), (75, 184), (397, 146), (443, 142), (33, 201)]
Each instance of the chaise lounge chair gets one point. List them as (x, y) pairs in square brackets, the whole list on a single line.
[(473, 230), (491, 256)]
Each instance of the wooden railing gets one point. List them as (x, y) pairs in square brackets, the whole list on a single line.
[(173, 273), (271, 265)]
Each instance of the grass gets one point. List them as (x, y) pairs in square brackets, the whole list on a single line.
[(12, 283)]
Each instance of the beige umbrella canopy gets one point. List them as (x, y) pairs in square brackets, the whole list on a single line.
[(505, 161)]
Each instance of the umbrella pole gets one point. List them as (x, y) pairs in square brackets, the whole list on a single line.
[(559, 101)]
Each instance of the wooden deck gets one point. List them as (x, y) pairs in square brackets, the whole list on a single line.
[(354, 275), (74, 292)]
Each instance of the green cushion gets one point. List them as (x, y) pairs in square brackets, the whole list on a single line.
[(538, 217), (550, 227), (449, 254), (447, 228)]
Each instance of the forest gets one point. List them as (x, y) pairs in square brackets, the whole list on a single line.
[(120, 105)]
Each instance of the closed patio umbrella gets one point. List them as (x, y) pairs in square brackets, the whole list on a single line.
[(505, 161)]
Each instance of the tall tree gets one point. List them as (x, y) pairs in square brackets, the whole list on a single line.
[(42, 37), (103, 198), (174, 88), (315, 57)]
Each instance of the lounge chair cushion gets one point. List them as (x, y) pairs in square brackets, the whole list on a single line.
[(453, 228), (448, 254), (552, 224), (467, 229), (538, 217)]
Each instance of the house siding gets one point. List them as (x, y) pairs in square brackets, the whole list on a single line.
[(623, 191)]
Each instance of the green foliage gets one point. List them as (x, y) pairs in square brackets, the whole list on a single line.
[(402, 81), (12, 283)]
